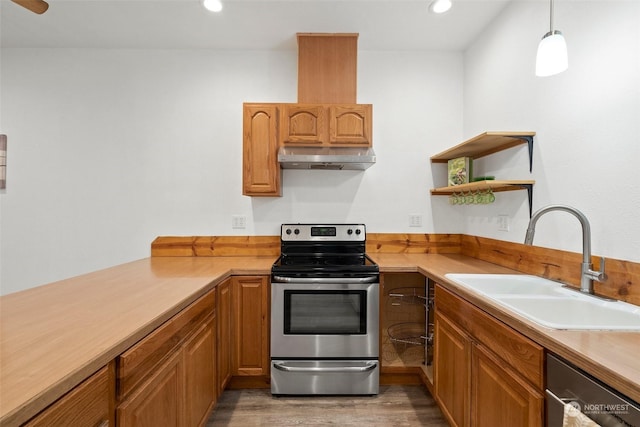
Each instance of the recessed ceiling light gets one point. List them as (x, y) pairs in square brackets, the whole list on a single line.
[(440, 6), (212, 5)]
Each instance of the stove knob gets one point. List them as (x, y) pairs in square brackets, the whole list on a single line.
[(296, 231), (288, 231), (358, 231), (349, 232)]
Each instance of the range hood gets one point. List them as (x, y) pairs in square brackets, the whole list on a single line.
[(328, 158)]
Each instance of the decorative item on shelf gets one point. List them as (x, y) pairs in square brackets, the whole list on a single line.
[(477, 197), (460, 170), (483, 178)]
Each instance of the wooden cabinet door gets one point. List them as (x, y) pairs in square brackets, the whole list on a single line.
[(260, 168), (223, 347), (159, 401), (89, 404), (303, 124), (452, 355), (499, 396), (200, 378), (350, 124), (251, 335)]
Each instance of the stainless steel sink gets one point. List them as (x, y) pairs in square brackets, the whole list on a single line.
[(550, 304)]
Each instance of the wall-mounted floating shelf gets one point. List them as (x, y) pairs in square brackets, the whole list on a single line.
[(482, 145), (487, 143), (495, 186)]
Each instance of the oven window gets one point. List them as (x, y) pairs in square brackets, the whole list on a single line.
[(316, 312)]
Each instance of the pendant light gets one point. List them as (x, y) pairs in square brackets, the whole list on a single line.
[(552, 52), (440, 6), (212, 5)]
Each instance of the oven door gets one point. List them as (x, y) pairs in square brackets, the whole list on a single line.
[(325, 318)]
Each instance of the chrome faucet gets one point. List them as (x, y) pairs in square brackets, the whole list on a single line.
[(588, 274)]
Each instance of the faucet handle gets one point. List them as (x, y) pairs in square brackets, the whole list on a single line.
[(599, 276)]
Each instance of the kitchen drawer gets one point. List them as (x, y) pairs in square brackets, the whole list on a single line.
[(139, 361), (88, 404), (524, 355)]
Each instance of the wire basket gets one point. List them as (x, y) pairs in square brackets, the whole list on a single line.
[(407, 333)]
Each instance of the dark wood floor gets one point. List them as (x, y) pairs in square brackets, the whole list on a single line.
[(394, 406)]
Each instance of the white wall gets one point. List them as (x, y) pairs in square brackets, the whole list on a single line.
[(587, 121), (110, 148)]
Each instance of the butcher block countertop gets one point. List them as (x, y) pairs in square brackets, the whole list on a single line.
[(54, 336)]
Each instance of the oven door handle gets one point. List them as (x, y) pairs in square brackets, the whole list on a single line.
[(369, 366), (325, 280)]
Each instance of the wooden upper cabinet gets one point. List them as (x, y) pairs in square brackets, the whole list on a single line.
[(327, 68), (260, 169), (303, 124), (350, 124), (326, 124)]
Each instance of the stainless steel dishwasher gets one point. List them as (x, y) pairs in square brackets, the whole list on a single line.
[(567, 384)]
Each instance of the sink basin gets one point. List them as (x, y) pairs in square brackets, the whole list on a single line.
[(578, 312), (509, 284), (550, 304)]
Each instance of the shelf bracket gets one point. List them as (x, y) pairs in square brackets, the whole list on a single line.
[(529, 188), (529, 141)]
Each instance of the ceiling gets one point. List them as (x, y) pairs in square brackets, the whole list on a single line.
[(244, 24)]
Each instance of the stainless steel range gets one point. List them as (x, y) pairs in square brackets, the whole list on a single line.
[(324, 312)]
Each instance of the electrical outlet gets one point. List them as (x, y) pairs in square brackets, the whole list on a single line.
[(238, 221), (503, 222), (415, 220)]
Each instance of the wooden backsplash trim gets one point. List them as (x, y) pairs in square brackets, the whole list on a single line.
[(216, 246), (623, 277), (623, 282), (413, 243)]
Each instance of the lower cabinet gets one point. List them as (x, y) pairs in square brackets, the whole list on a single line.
[(452, 360), (89, 404), (158, 401), (168, 378), (200, 374), (485, 373), (250, 325), (224, 334), (519, 404)]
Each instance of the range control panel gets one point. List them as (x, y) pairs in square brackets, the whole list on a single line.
[(323, 232)]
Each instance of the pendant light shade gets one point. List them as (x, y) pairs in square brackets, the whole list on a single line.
[(212, 5), (440, 6), (552, 55), (552, 52)]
